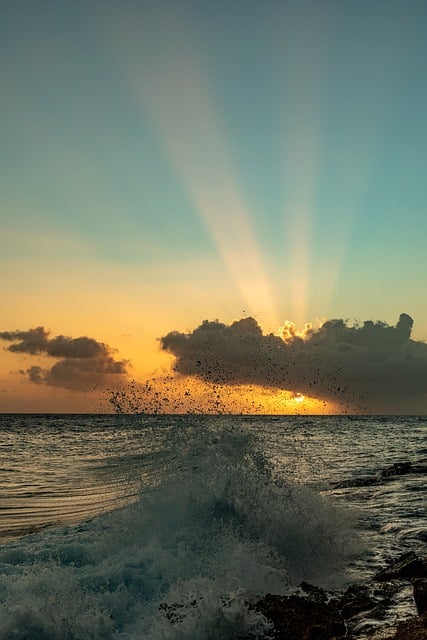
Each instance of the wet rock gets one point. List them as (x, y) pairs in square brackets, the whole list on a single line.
[(397, 469), (301, 618), (355, 600), (389, 473), (411, 630), (419, 468), (316, 594), (406, 567), (420, 594)]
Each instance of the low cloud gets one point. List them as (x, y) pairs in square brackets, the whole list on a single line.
[(370, 367), (82, 363), (32, 341)]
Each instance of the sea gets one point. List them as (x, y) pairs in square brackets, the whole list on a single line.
[(169, 527)]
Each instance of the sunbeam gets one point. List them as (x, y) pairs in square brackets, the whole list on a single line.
[(173, 91)]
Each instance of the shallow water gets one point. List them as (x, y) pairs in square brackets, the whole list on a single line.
[(127, 513)]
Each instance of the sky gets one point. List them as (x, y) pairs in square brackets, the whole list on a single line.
[(169, 169)]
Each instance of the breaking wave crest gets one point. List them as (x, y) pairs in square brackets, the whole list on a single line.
[(186, 559)]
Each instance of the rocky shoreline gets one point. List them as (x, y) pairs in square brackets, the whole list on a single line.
[(362, 612), (387, 474), (357, 614), (314, 614)]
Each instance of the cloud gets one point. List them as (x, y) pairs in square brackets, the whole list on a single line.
[(32, 341), (83, 362), (368, 367)]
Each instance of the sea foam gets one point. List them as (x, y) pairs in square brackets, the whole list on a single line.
[(219, 529)]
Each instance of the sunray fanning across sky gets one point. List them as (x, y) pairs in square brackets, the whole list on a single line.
[(164, 162), (173, 89)]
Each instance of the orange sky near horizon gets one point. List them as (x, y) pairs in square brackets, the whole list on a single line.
[(164, 167)]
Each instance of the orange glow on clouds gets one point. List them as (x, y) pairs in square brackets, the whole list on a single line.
[(288, 331)]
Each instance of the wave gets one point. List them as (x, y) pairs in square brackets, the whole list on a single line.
[(186, 559)]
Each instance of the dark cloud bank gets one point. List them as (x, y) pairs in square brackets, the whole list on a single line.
[(82, 363), (372, 367)]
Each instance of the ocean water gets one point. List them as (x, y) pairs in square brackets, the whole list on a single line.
[(161, 527)]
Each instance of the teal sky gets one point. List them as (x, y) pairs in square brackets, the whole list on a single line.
[(284, 144)]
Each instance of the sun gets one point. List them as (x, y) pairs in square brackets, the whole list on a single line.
[(299, 398)]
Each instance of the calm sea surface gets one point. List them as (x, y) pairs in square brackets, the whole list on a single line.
[(126, 512)]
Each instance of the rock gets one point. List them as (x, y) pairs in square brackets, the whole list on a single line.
[(300, 618), (411, 630), (419, 468), (355, 600), (397, 469), (406, 567), (420, 594), (316, 594)]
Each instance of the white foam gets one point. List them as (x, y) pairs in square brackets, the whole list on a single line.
[(185, 560)]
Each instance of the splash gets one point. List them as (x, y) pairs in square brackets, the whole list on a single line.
[(177, 394), (186, 559)]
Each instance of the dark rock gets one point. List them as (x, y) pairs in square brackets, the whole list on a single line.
[(420, 594), (406, 567), (300, 618), (419, 468), (355, 600), (316, 594), (411, 630), (397, 469)]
